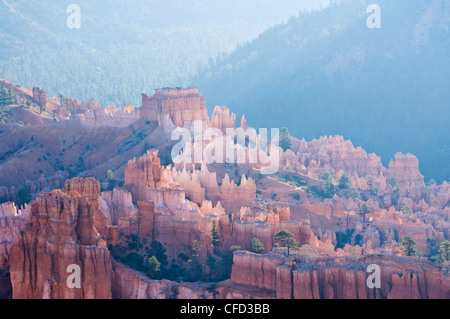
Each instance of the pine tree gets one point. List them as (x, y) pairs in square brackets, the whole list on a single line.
[(215, 239), (410, 246), (363, 211), (3, 97), (196, 248), (285, 139), (444, 251), (395, 196), (256, 246), (286, 238), (329, 189), (154, 267), (195, 255), (344, 181)]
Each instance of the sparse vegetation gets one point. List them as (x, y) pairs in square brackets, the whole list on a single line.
[(410, 248), (285, 139), (363, 211), (215, 238), (110, 179), (154, 268), (444, 251), (344, 181), (286, 239), (354, 194), (395, 196), (393, 182), (291, 179), (329, 189), (256, 246), (407, 210)]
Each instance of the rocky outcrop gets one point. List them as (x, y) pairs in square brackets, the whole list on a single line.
[(183, 106), (222, 119), (405, 169), (233, 197), (341, 278), (39, 96), (146, 171), (12, 221), (117, 205), (201, 185), (129, 284), (334, 154), (110, 116), (61, 233)]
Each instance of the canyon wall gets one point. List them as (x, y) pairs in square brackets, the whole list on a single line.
[(183, 106), (341, 278), (61, 233)]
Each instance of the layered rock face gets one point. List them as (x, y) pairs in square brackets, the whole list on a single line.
[(117, 205), (222, 119), (405, 169), (61, 233), (365, 171), (341, 278), (201, 185), (129, 284), (183, 106), (12, 221), (146, 171), (110, 116), (177, 207), (164, 212), (43, 184), (335, 155)]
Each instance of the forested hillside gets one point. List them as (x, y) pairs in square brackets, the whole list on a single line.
[(327, 73), (124, 48)]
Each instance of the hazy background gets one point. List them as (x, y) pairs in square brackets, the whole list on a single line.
[(318, 73), (128, 47)]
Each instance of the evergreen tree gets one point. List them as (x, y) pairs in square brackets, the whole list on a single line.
[(256, 246), (235, 248), (393, 182), (410, 246), (196, 248), (110, 179), (215, 239), (354, 194), (285, 139), (444, 251), (329, 189), (395, 196), (363, 211), (286, 239), (154, 267), (344, 182), (195, 255), (433, 247)]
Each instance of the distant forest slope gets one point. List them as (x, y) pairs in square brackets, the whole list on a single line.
[(327, 73), (124, 48)]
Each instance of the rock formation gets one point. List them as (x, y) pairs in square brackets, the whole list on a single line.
[(61, 233), (110, 116), (176, 205), (303, 277), (222, 119), (183, 106)]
